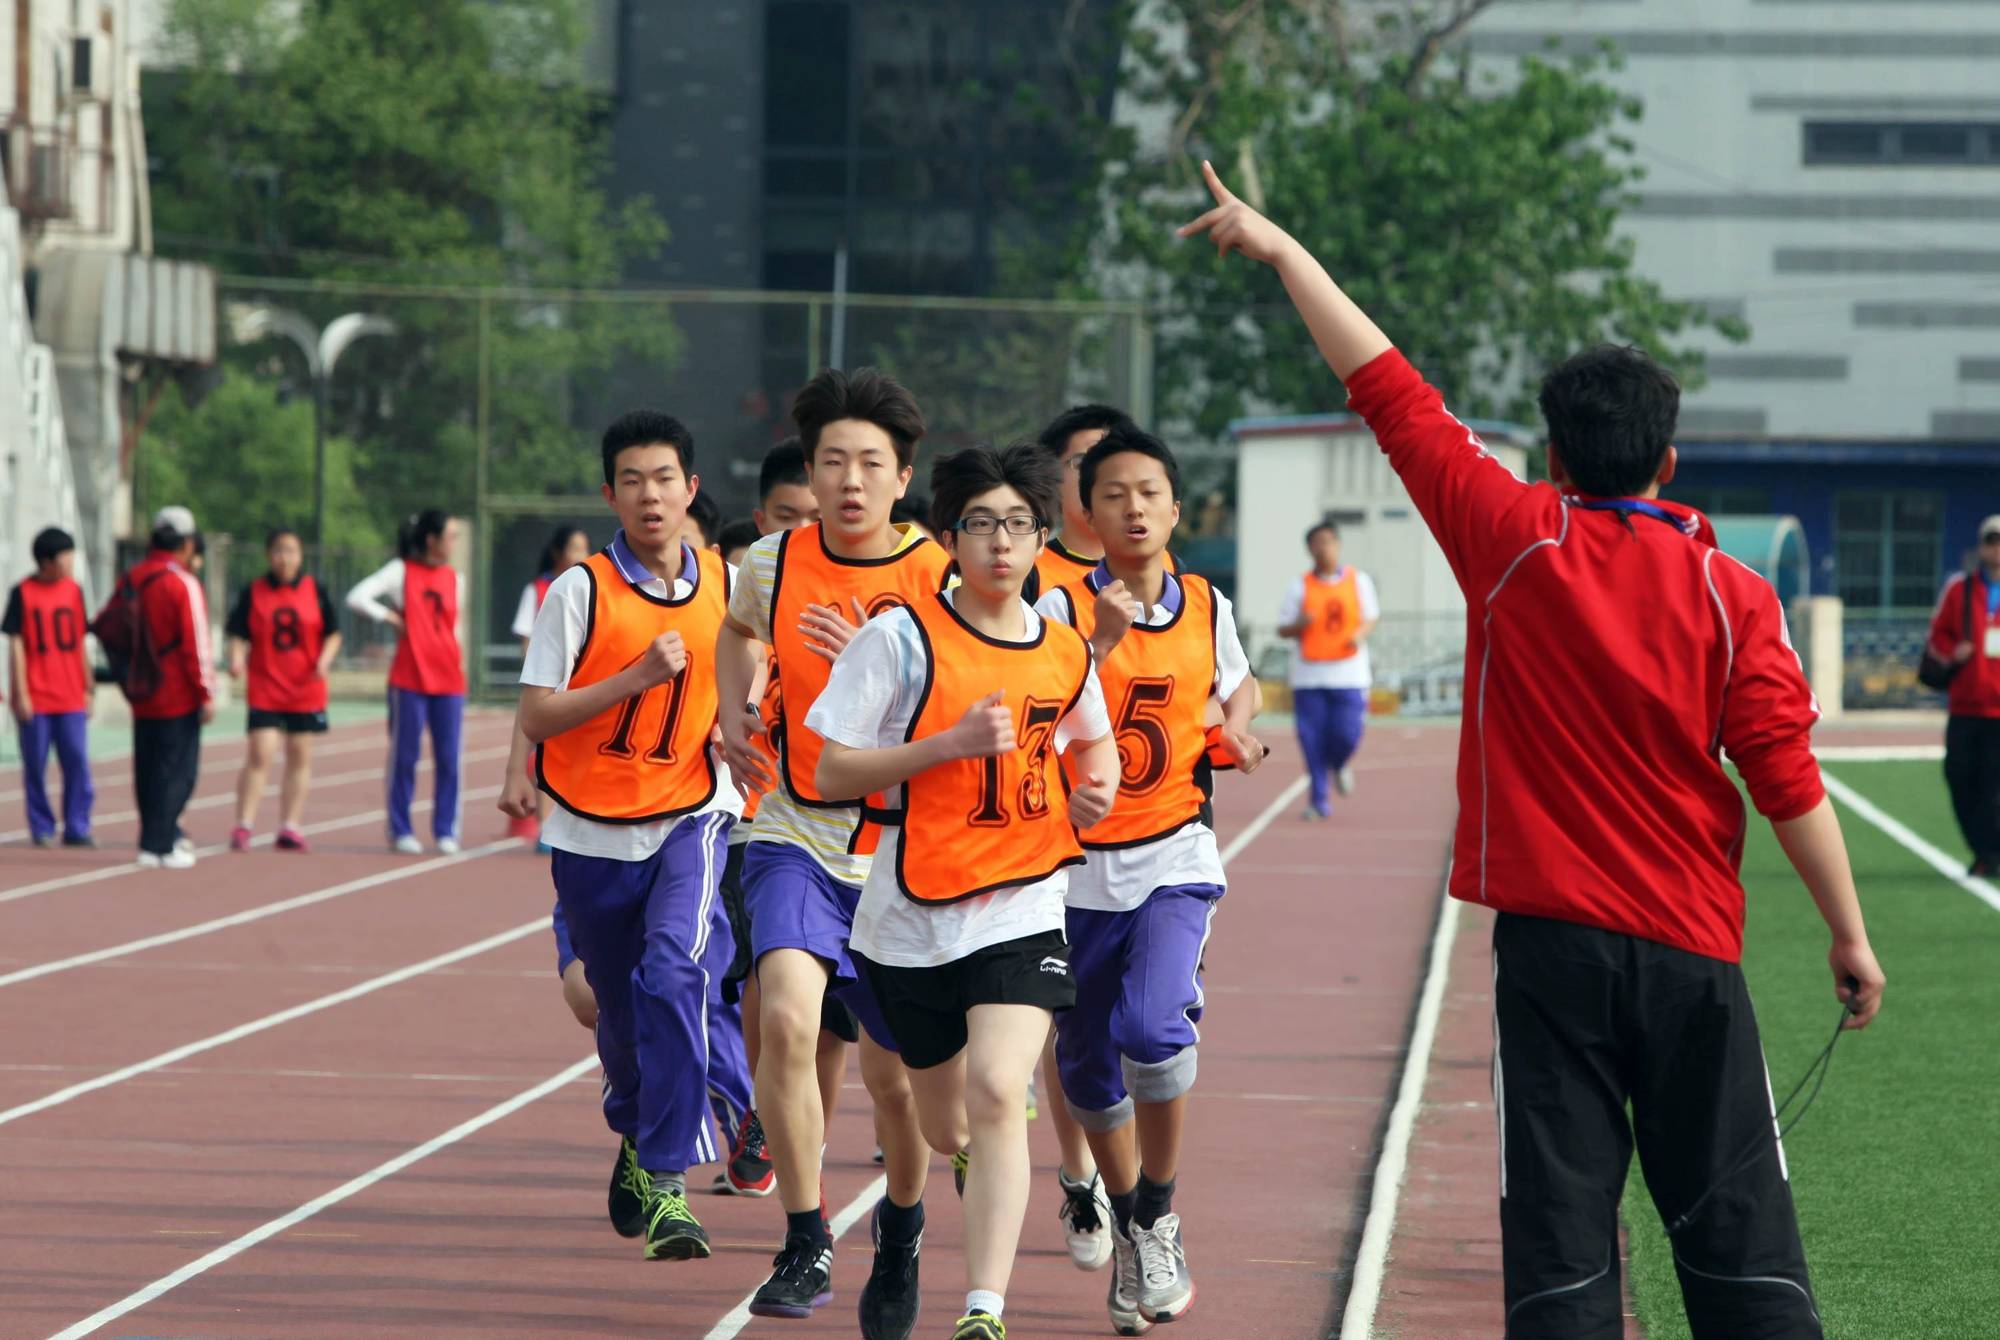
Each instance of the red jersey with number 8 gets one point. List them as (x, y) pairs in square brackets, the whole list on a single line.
[(1157, 683), (51, 623), (646, 758), (287, 631)]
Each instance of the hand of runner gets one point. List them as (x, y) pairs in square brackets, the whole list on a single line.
[(749, 769), (1091, 800), (1245, 750), (664, 658), (1117, 609), (517, 797), (986, 729), (1234, 226), (1856, 959), (827, 630)]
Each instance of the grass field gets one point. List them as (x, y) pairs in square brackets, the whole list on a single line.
[(1896, 1170)]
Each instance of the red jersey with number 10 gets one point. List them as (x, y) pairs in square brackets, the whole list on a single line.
[(52, 623), (428, 659), (287, 632)]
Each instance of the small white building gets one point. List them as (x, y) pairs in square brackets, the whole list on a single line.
[(1294, 471)]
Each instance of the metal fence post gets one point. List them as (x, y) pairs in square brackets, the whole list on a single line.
[(482, 598)]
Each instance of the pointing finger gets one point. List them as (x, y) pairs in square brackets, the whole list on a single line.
[(1202, 224), (1215, 187)]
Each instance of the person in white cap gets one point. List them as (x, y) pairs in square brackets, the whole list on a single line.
[(1965, 634), (155, 630)]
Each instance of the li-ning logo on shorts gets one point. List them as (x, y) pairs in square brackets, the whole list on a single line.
[(1055, 965)]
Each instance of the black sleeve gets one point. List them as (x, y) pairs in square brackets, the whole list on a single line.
[(329, 621), (11, 624), (239, 615)]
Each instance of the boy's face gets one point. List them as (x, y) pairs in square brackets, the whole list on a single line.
[(650, 493), (1075, 515), (855, 478), (1325, 547), (786, 507), (1132, 506), (59, 567), (996, 564)]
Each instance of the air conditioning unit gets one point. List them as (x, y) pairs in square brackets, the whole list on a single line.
[(89, 68)]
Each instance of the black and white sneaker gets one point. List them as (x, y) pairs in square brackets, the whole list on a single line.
[(1086, 1219), (1166, 1289), (1121, 1300), (890, 1299), (801, 1280)]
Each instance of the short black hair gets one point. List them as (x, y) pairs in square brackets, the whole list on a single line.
[(278, 533), (703, 511), (964, 475), (910, 507), (167, 539), (1118, 441), (643, 428), (559, 539), (784, 463), (1611, 412), (738, 535), (1078, 419), (51, 544), (417, 532), (868, 394), (1328, 525)]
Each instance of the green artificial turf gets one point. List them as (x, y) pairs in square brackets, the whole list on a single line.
[(1896, 1169)]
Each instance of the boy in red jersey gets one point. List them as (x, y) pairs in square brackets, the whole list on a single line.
[(52, 689), (1612, 657)]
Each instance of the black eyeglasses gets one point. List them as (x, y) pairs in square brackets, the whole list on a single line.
[(1991, 537), (986, 525)]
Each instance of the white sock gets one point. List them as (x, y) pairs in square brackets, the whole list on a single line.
[(984, 1300)]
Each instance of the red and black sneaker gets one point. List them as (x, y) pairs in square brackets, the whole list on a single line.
[(749, 1172)]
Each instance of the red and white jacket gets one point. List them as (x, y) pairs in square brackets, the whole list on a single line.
[(176, 613), (1975, 689)]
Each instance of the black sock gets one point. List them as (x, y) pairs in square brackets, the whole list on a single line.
[(1153, 1200), (1122, 1205), (807, 1224), (901, 1225)]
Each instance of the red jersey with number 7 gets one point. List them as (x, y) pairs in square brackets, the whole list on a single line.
[(428, 659), (286, 629), (645, 758), (49, 619)]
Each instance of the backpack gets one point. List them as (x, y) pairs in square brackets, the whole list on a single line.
[(1933, 670), (125, 635)]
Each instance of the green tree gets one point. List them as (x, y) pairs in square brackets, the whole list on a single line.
[(448, 144), (1473, 209)]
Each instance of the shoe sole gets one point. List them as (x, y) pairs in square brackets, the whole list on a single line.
[(678, 1249), (790, 1311), (1130, 1323), (1102, 1260), (1165, 1315), (757, 1190)]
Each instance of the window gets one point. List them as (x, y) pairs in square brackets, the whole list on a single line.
[(1902, 143), (1888, 548), (1722, 501)]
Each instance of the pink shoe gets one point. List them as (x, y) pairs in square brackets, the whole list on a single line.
[(291, 839), (239, 838)]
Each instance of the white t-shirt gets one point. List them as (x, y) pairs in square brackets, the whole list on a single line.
[(553, 649), (1352, 673), (868, 704), (524, 613), (1122, 878), (382, 591)]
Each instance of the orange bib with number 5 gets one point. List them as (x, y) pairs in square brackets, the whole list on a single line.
[(645, 758)]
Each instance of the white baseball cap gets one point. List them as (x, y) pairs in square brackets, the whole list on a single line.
[(179, 520), (1990, 526)]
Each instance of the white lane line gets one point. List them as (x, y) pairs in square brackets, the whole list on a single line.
[(105, 776), (353, 1187), (1365, 1292), (249, 915), (1879, 753), (1935, 857), (222, 798), (1255, 828), (738, 1317), (97, 874), (388, 979)]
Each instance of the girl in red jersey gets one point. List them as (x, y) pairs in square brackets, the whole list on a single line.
[(420, 595), (282, 639), (566, 548)]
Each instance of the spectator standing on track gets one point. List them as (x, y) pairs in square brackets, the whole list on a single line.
[(1965, 631), (1615, 658), (419, 595), (155, 627), (569, 546), (1329, 612), (283, 638), (53, 690)]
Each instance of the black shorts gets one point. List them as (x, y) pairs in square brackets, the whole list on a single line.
[(926, 1007), (834, 1015), (291, 723)]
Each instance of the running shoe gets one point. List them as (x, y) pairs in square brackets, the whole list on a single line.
[(626, 1201), (980, 1326), (672, 1232), (239, 838), (183, 845), (1166, 1290), (1312, 814), (1343, 781), (43, 839), (889, 1300), (878, 1156), (801, 1280), (1034, 1100), (407, 846), (78, 840), (447, 846), (1086, 1218), (291, 839), (1121, 1300), (749, 1172), (173, 860), (959, 1163)]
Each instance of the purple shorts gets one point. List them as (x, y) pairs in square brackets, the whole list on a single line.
[(793, 903)]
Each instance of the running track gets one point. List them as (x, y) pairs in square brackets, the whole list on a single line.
[(190, 1062)]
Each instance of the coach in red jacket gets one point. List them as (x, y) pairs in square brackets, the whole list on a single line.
[(1612, 657), (166, 723), (1965, 630)]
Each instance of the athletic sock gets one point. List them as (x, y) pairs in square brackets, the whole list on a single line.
[(1153, 1199), (807, 1224), (984, 1300), (674, 1183), (1123, 1203), (902, 1225)]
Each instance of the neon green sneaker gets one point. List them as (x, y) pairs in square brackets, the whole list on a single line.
[(626, 1200), (672, 1234), (980, 1326), (959, 1163)]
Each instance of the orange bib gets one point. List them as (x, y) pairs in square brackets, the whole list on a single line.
[(811, 574), (1156, 682), (1331, 613), (646, 758), (989, 822)]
